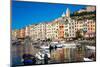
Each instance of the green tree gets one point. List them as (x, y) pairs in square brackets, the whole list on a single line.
[(66, 34), (78, 34)]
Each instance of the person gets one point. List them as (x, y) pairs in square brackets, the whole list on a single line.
[(50, 48), (55, 47), (45, 59)]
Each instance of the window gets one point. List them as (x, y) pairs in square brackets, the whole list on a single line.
[(61, 26), (56, 35), (88, 28), (72, 27), (66, 29)]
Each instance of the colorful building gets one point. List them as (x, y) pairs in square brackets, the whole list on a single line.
[(61, 28)]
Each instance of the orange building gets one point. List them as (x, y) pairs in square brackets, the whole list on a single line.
[(22, 33), (61, 31), (90, 29), (91, 26)]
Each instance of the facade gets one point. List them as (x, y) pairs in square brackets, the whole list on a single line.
[(49, 30), (32, 31), (59, 29), (55, 30), (18, 34), (87, 27), (69, 25), (22, 33), (90, 28), (40, 33), (14, 34)]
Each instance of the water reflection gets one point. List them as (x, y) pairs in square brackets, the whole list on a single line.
[(17, 52), (67, 55), (69, 52)]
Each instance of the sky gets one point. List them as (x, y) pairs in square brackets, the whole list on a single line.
[(26, 13)]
